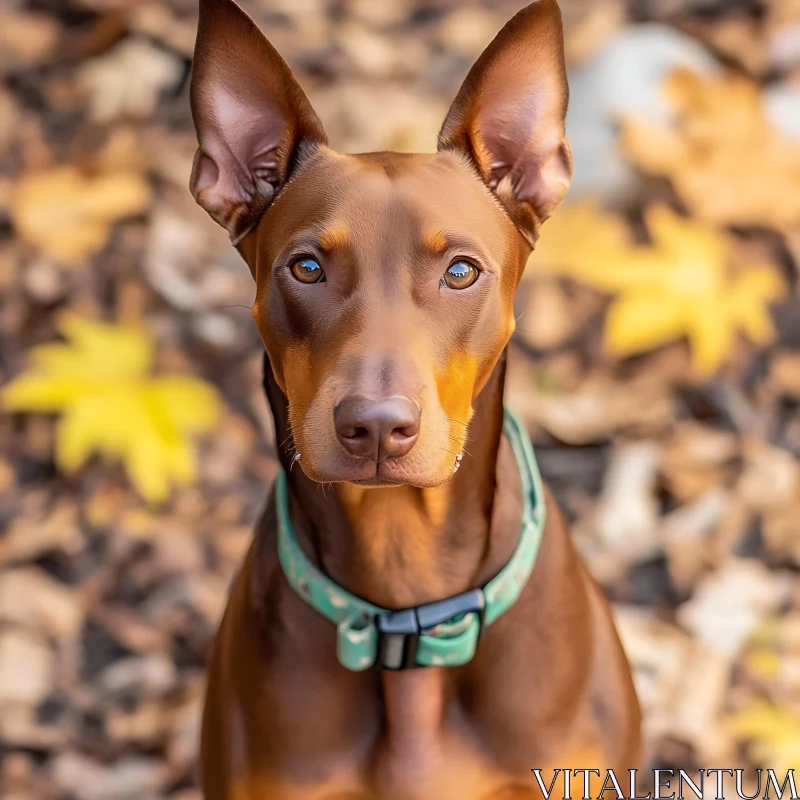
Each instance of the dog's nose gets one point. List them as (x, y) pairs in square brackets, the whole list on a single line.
[(377, 428)]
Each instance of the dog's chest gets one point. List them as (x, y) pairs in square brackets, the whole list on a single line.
[(418, 746), (423, 746)]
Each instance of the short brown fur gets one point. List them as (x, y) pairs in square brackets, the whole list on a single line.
[(379, 377)]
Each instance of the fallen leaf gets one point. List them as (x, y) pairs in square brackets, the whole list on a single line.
[(467, 30), (724, 158), (668, 289), (623, 76), (27, 667), (402, 123), (185, 727), (68, 215), (128, 80), (548, 316), (153, 675), (773, 734), (696, 459), (25, 38), (784, 370), (697, 706), (770, 478), (737, 38), (575, 240), (661, 656), (595, 410), (35, 531), (99, 381), (9, 122), (685, 534), (779, 529), (627, 513), (87, 779), (30, 597), (783, 31), (188, 262), (20, 726), (592, 31), (728, 604), (665, 289)]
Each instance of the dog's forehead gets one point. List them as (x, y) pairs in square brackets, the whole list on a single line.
[(380, 194)]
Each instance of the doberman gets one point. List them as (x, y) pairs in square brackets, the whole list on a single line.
[(384, 297)]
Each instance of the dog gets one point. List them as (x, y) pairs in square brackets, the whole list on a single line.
[(412, 619)]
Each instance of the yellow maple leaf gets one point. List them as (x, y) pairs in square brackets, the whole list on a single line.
[(679, 285), (100, 383), (724, 158), (773, 734), (579, 233), (68, 215)]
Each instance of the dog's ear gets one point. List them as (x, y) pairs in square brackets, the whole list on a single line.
[(251, 118), (508, 117)]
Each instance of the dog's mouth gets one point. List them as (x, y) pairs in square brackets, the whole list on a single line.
[(389, 472), (392, 472), (376, 481)]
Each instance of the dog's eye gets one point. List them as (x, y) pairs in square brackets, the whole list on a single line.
[(307, 270), (460, 275)]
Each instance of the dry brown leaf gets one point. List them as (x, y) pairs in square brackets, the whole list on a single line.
[(27, 667), (770, 479), (779, 529), (739, 38), (724, 158), (68, 215), (700, 701), (377, 55), (695, 459), (783, 31), (595, 411), (784, 372), (549, 316), (20, 726), (468, 29), (685, 534), (730, 603), (185, 261), (30, 597), (25, 39), (161, 24), (9, 120), (662, 655), (128, 80), (131, 776), (597, 25), (627, 514), (36, 532)]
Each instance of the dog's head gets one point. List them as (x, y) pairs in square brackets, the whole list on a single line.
[(385, 281)]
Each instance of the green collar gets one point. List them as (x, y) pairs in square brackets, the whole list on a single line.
[(444, 633)]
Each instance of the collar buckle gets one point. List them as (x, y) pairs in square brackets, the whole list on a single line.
[(398, 634), (399, 631)]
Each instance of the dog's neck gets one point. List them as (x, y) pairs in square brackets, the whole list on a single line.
[(403, 546)]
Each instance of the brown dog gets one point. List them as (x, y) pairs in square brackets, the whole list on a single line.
[(385, 287)]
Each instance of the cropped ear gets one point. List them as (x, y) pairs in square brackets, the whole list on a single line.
[(251, 118), (508, 117)]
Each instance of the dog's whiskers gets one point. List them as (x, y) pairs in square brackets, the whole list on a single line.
[(458, 444)]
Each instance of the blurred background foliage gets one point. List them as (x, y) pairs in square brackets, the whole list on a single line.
[(656, 361)]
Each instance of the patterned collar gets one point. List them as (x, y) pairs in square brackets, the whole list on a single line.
[(444, 633)]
